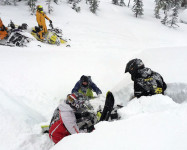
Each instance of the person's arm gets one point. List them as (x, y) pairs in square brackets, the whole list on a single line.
[(69, 120), (46, 17), (95, 88), (76, 87), (139, 90)]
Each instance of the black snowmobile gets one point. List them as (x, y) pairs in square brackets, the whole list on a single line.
[(87, 118), (15, 36)]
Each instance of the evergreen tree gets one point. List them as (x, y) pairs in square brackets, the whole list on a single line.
[(122, 3), (75, 7), (32, 5), (50, 8), (56, 1), (174, 17), (94, 4), (129, 3), (138, 8), (7, 2), (159, 5), (115, 2), (184, 3), (166, 5)]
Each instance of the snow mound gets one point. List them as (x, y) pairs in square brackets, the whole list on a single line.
[(17, 122), (145, 122)]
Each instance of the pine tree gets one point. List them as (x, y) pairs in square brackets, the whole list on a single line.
[(50, 8), (129, 3), (122, 3), (56, 1), (75, 7), (115, 2), (174, 19), (32, 5), (184, 3), (159, 5), (7, 2), (94, 4), (165, 6), (138, 8)]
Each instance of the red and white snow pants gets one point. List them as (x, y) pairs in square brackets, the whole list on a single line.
[(58, 131)]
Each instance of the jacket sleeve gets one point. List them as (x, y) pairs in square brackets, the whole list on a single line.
[(140, 89), (76, 87), (46, 17), (69, 120), (95, 88)]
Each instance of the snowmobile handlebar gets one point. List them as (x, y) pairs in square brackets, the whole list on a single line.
[(51, 25)]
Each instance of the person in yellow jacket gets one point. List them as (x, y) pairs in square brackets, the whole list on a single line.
[(3, 30), (40, 17)]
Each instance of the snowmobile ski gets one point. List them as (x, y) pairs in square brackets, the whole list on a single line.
[(108, 107), (6, 44), (45, 129)]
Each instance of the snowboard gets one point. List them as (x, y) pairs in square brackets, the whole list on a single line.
[(108, 107)]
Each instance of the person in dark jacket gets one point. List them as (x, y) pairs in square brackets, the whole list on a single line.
[(86, 87), (146, 81)]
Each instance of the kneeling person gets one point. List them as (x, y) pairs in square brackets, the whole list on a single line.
[(69, 118), (86, 87)]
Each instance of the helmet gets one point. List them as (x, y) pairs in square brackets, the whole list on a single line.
[(24, 26), (75, 100), (84, 79), (40, 8), (133, 65)]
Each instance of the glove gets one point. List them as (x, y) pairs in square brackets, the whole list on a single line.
[(50, 21), (90, 129)]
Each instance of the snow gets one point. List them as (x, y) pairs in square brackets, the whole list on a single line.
[(183, 16), (33, 80)]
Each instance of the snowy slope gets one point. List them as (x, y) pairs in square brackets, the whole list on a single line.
[(34, 79)]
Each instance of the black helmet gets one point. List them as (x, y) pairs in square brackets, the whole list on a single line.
[(133, 65), (84, 79), (24, 26)]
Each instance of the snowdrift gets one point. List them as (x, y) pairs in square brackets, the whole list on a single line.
[(147, 123)]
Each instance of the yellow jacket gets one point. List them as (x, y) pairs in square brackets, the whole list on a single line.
[(40, 17)]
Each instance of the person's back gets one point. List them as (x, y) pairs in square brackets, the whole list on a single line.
[(146, 81)]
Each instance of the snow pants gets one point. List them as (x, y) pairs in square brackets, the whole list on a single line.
[(42, 32), (3, 34), (58, 131)]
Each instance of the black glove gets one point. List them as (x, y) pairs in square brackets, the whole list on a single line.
[(80, 115), (50, 21), (90, 129)]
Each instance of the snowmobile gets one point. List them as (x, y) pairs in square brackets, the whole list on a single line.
[(15, 36), (87, 118), (53, 35)]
